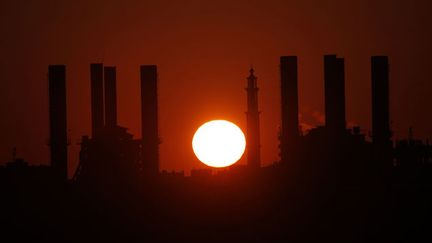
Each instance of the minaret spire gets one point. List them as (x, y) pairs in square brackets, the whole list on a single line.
[(253, 127)]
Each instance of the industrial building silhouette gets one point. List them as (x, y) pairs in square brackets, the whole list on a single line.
[(330, 183)]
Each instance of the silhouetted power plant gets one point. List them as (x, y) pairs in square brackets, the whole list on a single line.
[(97, 102), (113, 153), (334, 89), (331, 181), (112, 149), (57, 120), (381, 133), (289, 131), (110, 96), (149, 119)]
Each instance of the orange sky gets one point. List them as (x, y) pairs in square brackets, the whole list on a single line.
[(203, 50)]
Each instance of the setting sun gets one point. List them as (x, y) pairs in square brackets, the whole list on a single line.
[(219, 143)]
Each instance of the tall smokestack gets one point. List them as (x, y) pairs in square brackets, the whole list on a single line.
[(149, 119), (253, 124), (110, 96), (334, 88), (289, 135), (57, 118), (381, 133), (97, 104)]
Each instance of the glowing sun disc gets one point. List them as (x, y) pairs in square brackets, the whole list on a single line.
[(219, 143)]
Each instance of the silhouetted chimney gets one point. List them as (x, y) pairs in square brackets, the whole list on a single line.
[(253, 124), (381, 133), (110, 96), (57, 119), (289, 135), (334, 88), (149, 119), (97, 104)]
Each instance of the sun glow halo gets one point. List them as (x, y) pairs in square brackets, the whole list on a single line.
[(219, 143)]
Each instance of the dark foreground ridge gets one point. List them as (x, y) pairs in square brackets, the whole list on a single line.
[(331, 184)]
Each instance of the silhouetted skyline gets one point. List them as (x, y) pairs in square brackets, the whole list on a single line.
[(99, 102), (202, 50), (330, 174)]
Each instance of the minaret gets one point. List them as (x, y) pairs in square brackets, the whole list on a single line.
[(253, 127)]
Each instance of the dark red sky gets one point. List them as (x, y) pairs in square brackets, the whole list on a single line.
[(203, 50)]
